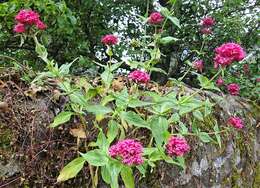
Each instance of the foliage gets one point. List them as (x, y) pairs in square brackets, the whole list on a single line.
[(126, 108)]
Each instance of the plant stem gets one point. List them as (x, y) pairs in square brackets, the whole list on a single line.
[(198, 91)]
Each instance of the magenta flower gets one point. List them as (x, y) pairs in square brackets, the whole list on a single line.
[(109, 40), (27, 18), (40, 25), (177, 146), (258, 80), (129, 151), (236, 122), (198, 65), (206, 31), (19, 28), (207, 22), (233, 89), (155, 18), (220, 81), (227, 54), (139, 76)]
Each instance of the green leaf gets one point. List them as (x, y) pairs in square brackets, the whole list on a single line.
[(159, 126), (133, 103), (41, 51), (156, 69), (174, 118), (141, 169), (127, 177), (102, 141), (114, 169), (168, 40), (98, 109), (107, 76), (105, 174), (112, 130), (216, 129), (134, 119), (175, 21), (61, 118), (189, 105), (95, 157), (198, 115), (65, 69), (181, 162), (115, 66), (204, 137), (71, 169), (183, 128), (206, 83)]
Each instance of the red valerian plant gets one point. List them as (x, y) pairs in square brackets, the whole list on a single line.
[(227, 53), (109, 40), (220, 81), (207, 22), (177, 146), (155, 18), (198, 64), (139, 76), (26, 18), (129, 150), (236, 122), (233, 89)]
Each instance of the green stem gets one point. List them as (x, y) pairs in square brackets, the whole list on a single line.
[(180, 79), (198, 91)]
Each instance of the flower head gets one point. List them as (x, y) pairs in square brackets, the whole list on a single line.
[(220, 81), (19, 28), (40, 25), (109, 39), (236, 122), (208, 22), (155, 18), (139, 76), (233, 89), (129, 150), (177, 146), (198, 65), (27, 17), (227, 53), (206, 31), (258, 80)]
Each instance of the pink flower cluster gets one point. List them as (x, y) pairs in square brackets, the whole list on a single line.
[(207, 23), (198, 65), (227, 53), (109, 40), (139, 76), (129, 150), (220, 81), (155, 18), (28, 18), (233, 89), (177, 146), (236, 122)]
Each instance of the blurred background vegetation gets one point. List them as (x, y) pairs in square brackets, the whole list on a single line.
[(75, 28)]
